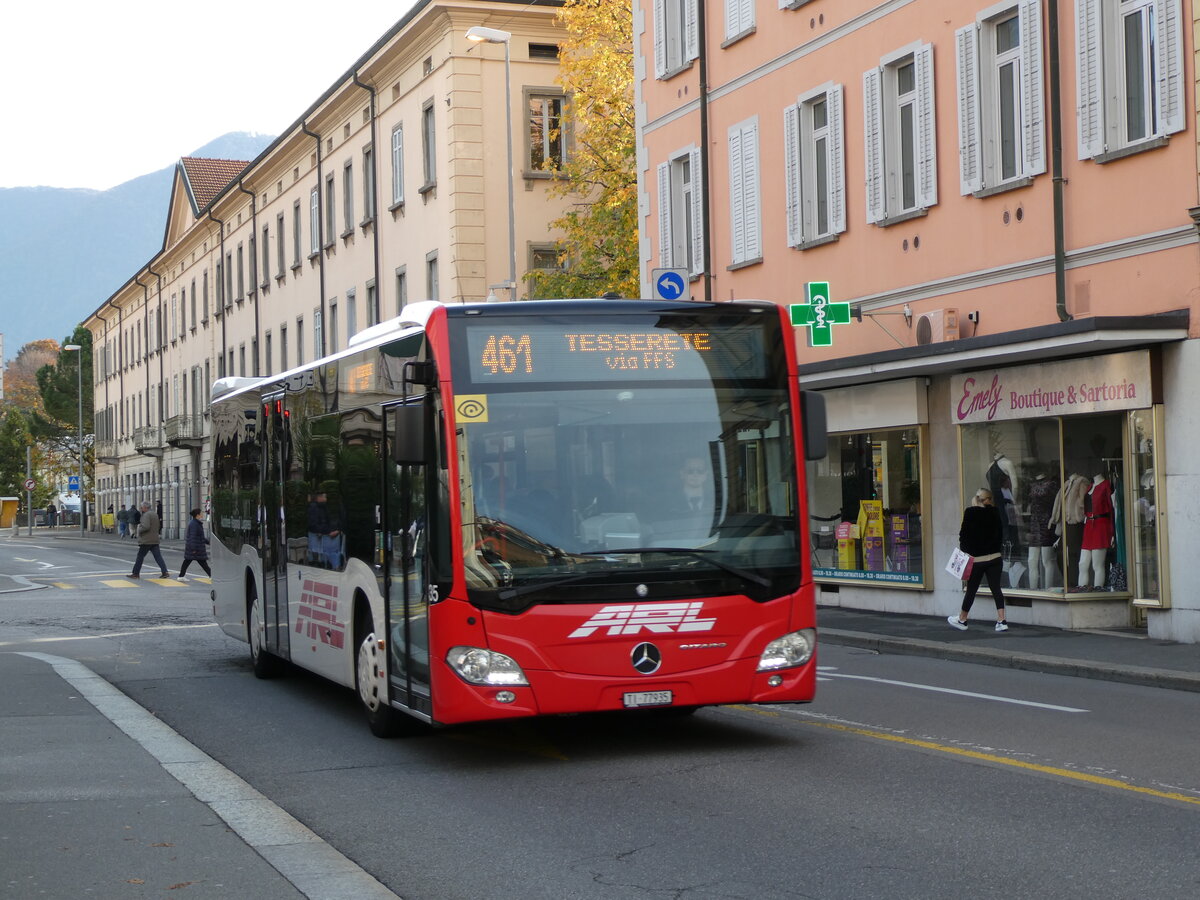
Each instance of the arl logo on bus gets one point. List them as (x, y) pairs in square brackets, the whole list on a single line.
[(317, 616), (657, 618)]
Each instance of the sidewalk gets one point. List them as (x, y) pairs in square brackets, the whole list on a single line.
[(1111, 656), (100, 798)]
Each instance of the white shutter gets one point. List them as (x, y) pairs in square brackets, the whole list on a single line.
[(737, 196), (926, 128), (751, 197), (873, 122), (660, 38), (665, 255), (791, 172), (691, 15), (1088, 58), (966, 42), (697, 213), (1034, 118), (836, 129), (733, 16), (1168, 48)]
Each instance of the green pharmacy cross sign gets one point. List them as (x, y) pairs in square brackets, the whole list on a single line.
[(819, 315)]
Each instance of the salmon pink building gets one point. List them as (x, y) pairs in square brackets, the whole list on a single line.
[(1004, 198)]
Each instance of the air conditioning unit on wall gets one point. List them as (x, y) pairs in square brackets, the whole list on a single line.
[(937, 325)]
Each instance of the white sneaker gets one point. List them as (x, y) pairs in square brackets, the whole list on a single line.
[(1002, 626), (956, 623)]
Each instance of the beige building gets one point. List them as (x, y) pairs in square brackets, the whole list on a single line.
[(392, 187), (1002, 198)]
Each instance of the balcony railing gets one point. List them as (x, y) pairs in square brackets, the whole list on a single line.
[(148, 440), (106, 451), (184, 431)]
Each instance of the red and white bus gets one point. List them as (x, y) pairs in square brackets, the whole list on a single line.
[(499, 510)]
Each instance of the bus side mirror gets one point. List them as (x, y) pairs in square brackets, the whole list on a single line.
[(408, 435), (816, 432)]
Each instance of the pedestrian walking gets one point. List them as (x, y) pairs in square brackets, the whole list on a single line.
[(981, 536), (123, 521), (135, 516), (148, 538), (195, 546)]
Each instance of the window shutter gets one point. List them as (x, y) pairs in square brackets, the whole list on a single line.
[(751, 218), (697, 213), (660, 38), (1168, 48), (873, 121), (791, 171), (693, 41), (966, 41), (665, 255), (1087, 66), (737, 195), (733, 14), (1031, 85), (926, 128), (837, 160)]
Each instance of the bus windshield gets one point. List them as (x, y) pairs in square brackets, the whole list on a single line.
[(629, 484)]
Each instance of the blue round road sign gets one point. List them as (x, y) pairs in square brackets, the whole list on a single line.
[(670, 285)]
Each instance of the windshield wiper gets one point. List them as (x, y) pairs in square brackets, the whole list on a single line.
[(513, 593), (744, 574)]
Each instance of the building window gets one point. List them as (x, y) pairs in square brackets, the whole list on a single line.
[(901, 152), (318, 333), (280, 257), (351, 314), (675, 36), (372, 305), (267, 354), (254, 357), (1001, 122), (299, 340), (680, 208), (229, 294), (865, 508), (253, 255), (744, 196), (815, 166), (330, 211), (333, 326), (542, 258), (401, 289), (428, 147), (1130, 74), (314, 220), (283, 356), (348, 198), (241, 360), (431, 276), (397, 165), (266, 255), (545, 134), (739, 18), (241, 274), (368, 162), (204, 298)]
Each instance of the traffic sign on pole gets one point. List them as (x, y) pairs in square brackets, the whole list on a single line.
[(30, 484), (669, 284)]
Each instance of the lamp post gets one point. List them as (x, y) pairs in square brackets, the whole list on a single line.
[(79, 391), (483, 35)]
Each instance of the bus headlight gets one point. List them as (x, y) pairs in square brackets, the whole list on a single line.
[(486, 667), (789, 651)]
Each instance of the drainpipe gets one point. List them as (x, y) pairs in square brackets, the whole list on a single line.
[(219, 294), (374, 206), (705, 216), (254, 367), (1056, 166), (321, 200)]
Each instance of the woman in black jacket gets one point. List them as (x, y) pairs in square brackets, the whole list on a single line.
[(981, 537), (195, 546)]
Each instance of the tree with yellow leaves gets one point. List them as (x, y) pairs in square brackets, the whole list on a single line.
[(599, 251)]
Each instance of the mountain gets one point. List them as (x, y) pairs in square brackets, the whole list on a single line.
[(66, 250)]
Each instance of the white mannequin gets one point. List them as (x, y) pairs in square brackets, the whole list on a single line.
[(1090, 560), (1043, 560)]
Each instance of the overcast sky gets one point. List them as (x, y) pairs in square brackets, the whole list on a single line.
[(98, 93)]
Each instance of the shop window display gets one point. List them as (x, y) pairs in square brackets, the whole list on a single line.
[(865, 508)]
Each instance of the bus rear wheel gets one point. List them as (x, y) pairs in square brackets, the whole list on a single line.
[(265, 663), (371, 679)]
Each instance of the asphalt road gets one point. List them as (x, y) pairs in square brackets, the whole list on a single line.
[(908, 778)]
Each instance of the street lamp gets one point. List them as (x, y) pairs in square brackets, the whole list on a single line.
[(483, 35), (79, 390)]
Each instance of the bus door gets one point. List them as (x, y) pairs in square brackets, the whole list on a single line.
[(276, 464), (407, 486)]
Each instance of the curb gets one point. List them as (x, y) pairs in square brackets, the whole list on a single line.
[(1008, 659)]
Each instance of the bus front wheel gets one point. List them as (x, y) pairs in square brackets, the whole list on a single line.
[(371, 675), (265, 663)]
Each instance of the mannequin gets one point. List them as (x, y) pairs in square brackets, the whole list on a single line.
[(1002, 479), (1098, 533), (1043, 560)]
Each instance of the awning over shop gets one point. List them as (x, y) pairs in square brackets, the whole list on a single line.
[(1060, 340)]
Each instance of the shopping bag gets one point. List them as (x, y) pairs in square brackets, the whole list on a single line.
[(959, 565)]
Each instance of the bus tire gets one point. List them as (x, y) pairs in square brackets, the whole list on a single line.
[(370, 679), (265, 663)]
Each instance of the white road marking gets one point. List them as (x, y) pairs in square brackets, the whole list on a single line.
[(942, 690), (112, 634)]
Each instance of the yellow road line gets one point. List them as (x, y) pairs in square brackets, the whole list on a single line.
[(988, 757), (118, 582), (63, 585)]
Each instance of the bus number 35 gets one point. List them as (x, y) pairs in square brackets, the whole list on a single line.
[(503, 353)]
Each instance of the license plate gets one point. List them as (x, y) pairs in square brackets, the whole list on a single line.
[(647, 698)]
